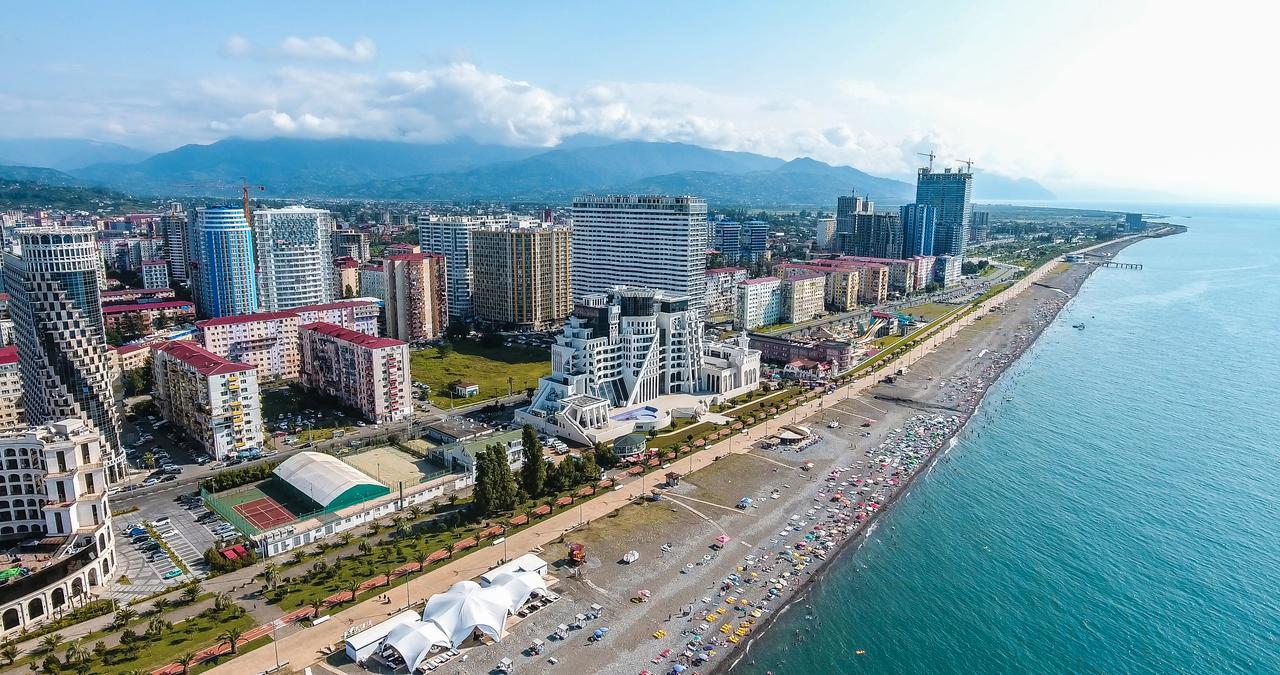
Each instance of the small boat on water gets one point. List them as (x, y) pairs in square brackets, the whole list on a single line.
[(1078, 326)]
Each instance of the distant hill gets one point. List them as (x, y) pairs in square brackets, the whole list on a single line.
[(65, 154), (34, 174), (293, 167), (465, 170), (562, 173), (995, 186), (24, 194), (800, 182)]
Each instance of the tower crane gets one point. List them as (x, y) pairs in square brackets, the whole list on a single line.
[(244, 190), (930, 155), (968, 164)]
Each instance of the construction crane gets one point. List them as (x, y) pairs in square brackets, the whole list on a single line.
[(244, 189), (968, 165), (930, 155)]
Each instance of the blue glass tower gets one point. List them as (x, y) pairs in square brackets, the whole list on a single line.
[(919, 223), (225, 279)]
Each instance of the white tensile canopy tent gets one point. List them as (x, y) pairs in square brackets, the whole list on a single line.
[(414, 641), (466, 607)]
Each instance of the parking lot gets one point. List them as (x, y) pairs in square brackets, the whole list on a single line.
[(186, 527)]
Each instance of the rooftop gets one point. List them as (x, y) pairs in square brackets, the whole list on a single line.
[(204, 361), (172, 304), (341, 304), (9, 355), (135, 291), (726, 270), (245, 318), (354, 337), (761, 280)]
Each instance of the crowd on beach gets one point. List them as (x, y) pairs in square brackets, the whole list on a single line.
[(844, 498)]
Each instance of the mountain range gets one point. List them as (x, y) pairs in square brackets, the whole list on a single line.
[(465, 170)]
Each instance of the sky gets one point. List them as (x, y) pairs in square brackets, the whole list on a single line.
[(1091, 98)]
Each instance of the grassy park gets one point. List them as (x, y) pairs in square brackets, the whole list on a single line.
[(486, 366)]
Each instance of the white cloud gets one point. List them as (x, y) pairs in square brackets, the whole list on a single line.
[(236, 46), (315, 48), (862, 90), (326, 48)]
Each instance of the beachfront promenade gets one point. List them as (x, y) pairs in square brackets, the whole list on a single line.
[(305, 646)]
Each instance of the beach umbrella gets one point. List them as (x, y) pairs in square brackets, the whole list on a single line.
[(722, 539), (644, 594)]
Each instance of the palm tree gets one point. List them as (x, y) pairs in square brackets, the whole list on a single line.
[(345, 538), (365, 548), (50, 642), (9, 652), (353, 588), (123, 616), (271, 575), (316, 606), (157, 626), (221, 601), (231, 636), (190, 593), (185, 661), (415, 512), (421, 559), (162, 605)]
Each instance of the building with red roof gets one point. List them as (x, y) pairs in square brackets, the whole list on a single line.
[(366, 372), (151, 316), (213, 400), (266, 340), (10, 390)]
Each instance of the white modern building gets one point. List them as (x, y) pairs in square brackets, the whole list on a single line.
[(226, 283), (632, 359), (647, 241), (368, 373), (214, 401), (293, 249), (53, 499), (52, 277)]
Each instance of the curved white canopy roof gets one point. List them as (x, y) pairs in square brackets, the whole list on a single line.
[(321, 477), (516, 587), (414, 640), (465, 607)]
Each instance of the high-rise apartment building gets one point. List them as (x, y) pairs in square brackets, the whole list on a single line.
[(358, 314), (10, 390), (520, 275), (759, 303), (948, 192), (417, 305), (226, 283), (824, 232), (979, 227), (373, 280), (803, 297), (722, 287), (268, 341), (213, 400), (352, 244), (155, 273), (295, 267), (747, 242), (176, 231), (919, 223), (647, 241), (365, 372), (53, 277), (450, 236)]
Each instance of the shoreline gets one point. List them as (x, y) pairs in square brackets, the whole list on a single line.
[(853, 542)]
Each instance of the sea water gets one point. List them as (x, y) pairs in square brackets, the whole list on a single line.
[(1119, 514)]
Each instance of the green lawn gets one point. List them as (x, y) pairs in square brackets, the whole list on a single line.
[(191, 635), (928, 311), (488, 367)]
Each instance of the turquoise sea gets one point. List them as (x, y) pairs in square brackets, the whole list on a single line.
[(1120, 515)]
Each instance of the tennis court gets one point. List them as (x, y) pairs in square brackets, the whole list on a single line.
[(264, 513)]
